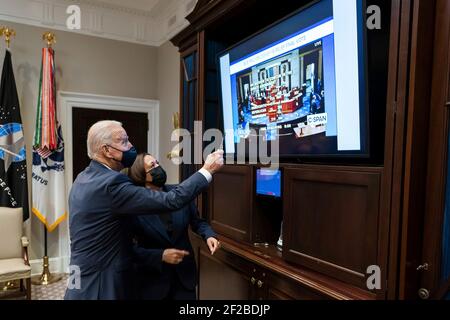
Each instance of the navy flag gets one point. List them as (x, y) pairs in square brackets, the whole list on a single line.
[(13, 167)]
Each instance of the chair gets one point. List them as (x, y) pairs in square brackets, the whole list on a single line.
[(14, 264)]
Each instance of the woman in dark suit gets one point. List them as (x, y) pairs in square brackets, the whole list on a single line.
[(165, 259)]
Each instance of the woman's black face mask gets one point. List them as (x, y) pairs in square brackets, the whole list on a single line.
[(159, 176)]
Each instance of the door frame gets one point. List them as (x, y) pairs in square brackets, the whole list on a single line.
[(69, 100)]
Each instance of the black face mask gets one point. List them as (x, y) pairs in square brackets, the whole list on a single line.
[(128, 157), (159, 176)]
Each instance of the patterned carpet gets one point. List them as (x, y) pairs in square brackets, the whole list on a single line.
[(53, 291)]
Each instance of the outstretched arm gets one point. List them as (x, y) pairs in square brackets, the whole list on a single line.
[(126, 198)]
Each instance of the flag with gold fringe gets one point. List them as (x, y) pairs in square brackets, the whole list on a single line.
[(48, 187), (13, 166)]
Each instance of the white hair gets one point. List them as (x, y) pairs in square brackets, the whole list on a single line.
[(100, 134)]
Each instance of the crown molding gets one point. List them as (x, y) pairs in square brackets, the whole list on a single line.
[(113, 7), (147, 27)]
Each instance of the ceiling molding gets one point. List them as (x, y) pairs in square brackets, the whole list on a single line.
[(158, 23), (114, 7)]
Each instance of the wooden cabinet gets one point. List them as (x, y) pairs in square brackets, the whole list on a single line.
[(235, 211), (331, 220), (326, 211), (226, 276), (339, 217)]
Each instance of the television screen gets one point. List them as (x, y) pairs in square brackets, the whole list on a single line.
[(301, 81), (268, 182)]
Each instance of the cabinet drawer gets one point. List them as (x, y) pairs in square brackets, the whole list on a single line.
[(281, 288)]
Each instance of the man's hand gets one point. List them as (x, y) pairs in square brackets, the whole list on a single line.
[(213, 244), (174, 256), (214, 162)]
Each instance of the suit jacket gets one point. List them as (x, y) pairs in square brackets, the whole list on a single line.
[(101, 202), (154, 277)]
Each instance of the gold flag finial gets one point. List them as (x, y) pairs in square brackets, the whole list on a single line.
[(50, 38), (176, 120), (175, 153), (7, 33)]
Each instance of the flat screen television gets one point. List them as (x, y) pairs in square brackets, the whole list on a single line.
[(268, 182), (302, 81)]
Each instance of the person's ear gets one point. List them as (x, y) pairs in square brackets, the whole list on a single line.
[(106, 150)]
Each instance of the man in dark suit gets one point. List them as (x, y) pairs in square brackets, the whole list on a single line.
[(99, 203), (165, 259)]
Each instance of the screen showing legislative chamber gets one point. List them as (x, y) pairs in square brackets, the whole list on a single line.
[(301, 81)]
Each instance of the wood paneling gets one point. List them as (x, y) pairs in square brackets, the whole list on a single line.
[(236, 212), (448, 72), (219, 281), (327, 212), (231, 201), (437, 157), (416, 146), (281, 289)]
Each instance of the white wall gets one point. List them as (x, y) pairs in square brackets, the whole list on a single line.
[(93, 65), (88, 65)]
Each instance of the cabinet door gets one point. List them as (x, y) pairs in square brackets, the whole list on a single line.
[(220, 280), (231, 202), (331, 220)]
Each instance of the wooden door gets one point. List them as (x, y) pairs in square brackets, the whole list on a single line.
[(434, 270), (221, 280), (136, 125), (331, 220), (231, 202)]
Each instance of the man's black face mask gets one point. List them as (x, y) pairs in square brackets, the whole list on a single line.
[(128, 157)]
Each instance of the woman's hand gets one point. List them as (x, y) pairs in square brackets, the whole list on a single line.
[(213, 244), (174, 256)]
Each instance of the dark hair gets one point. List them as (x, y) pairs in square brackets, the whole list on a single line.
[(137, 171)]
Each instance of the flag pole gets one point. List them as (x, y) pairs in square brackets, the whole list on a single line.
[(46, 277)]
